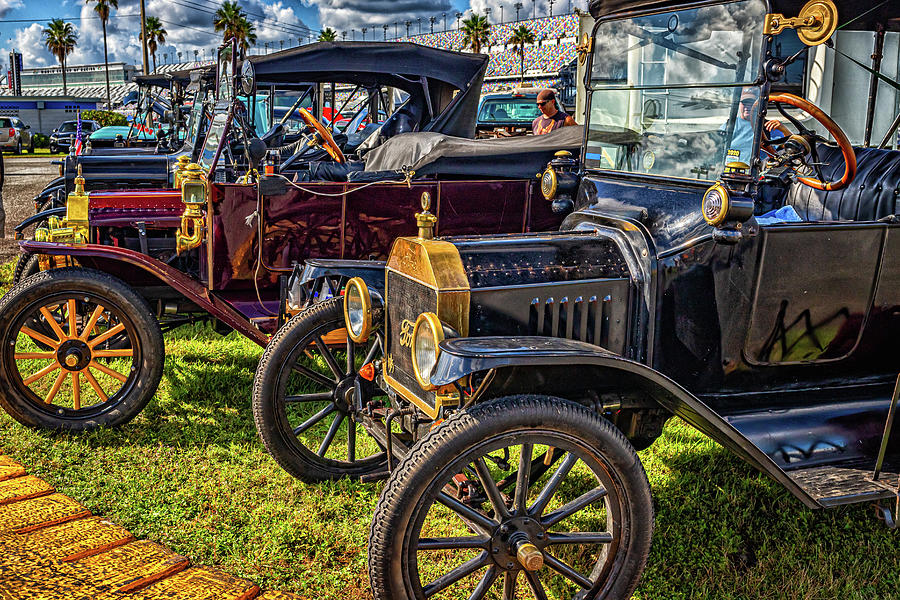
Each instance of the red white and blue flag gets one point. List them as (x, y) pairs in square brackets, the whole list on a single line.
[(78, 135)]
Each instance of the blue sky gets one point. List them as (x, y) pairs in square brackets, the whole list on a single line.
[(189, 23)]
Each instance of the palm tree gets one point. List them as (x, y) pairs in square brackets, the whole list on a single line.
[(476, 31), (101, 7), (156, 35), (231, 20), (60, 38), (521, 35), (327, 35)]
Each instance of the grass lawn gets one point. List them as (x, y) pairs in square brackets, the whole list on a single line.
[(190, 473)]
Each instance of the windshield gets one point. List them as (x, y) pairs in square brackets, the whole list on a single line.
[(504, 110), (67, 128), (673, 94), (216, 132)]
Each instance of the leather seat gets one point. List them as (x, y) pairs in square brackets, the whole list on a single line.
[(872, 195)]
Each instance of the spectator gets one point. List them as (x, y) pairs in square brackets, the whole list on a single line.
[(551, 117)]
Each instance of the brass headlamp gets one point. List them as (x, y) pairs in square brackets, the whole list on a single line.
[(728, 202), (560, 180), (74, 228), (193, 194)]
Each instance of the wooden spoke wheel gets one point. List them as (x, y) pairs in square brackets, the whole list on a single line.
[(305, 397), (525, 496), (80, 350)]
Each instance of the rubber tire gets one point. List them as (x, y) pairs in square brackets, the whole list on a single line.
[(388, 569), (119, 293), (18, 149), (53, 148), (277, 353), (26, 265), (31, 146)]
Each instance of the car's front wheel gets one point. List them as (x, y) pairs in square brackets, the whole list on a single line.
[(19, 147), (53, 148), (530, 496), (81, 350)]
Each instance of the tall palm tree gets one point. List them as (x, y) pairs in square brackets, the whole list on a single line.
[(156, 35), (101, 7), (476, 31), (60, 38), (231, 20), (327, 35), (521, 35)]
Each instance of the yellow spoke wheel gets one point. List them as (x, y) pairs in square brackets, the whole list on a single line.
[(81, 350)]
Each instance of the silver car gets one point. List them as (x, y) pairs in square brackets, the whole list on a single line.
[(15, 135)]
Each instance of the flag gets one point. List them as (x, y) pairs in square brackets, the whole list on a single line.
[(78, 135)]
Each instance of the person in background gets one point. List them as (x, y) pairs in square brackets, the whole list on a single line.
[(741, 147), (551, 117)]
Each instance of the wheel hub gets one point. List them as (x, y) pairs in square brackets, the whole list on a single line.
[(73, 355), (518, 544), (343, 394)]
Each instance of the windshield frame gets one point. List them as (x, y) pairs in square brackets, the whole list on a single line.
[(760, 83)]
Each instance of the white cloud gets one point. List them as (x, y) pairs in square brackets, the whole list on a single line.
[(529, 8), (347, 15), (30, 43), (6, 6)]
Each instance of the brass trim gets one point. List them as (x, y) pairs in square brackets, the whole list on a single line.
[(816, 23), (431, 411), (433, 263), (432, 321), (725, 202), (550, 194), (366, 300)]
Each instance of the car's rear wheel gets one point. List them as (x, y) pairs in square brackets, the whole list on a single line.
[(304, 397), (19, 147), (530, 496), (31, 146), (82, 350)]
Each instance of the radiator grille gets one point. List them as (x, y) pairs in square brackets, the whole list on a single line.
[(406, 300)]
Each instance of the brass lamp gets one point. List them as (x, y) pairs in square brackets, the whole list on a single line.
[(193, 194), (74, 229)]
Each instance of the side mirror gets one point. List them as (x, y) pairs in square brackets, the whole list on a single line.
[(28, 127), (54, 131)]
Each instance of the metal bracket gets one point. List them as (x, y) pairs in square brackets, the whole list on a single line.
[(142, 237), (888, 426), (885, 514), (815, 24)]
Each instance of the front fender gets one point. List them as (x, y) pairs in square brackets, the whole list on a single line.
[(38, 217), (464, 356)]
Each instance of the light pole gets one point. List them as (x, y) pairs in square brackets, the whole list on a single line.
[(196, 56), (487, 14), (445, 20), (353, 34), (458, 17), (396, 35), (344, 36), (385, 27), (408, 23), (431, 20), (281, 42), (551, 7), (267, 47), (533, 9), (179, 56), (364, 30), (518, 6), (419, 19), (501, 13)]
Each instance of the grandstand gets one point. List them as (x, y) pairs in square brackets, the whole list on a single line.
[(548, 62)]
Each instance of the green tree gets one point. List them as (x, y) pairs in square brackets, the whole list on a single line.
[(327, 35), (60, 38), (231, 20), (476, 31), (521, 35), (102, 8), (156, 35)]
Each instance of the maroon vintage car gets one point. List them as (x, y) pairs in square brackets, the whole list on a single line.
[(83, 342)]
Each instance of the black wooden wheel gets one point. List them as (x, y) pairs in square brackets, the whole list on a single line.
[(518, 497), (304, 397), (81, 350)]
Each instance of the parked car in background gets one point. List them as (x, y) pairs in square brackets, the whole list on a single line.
[(15, 135), (63, 137), (507, 113)]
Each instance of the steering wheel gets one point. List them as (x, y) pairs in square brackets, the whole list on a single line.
[(322, 137), (796, 147)]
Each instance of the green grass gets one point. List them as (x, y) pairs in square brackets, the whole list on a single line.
[(190, 473)]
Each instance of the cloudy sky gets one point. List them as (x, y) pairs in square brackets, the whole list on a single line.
[(189, 23)]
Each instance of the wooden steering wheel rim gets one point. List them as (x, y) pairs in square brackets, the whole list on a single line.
[(328, 144), (836, 132)]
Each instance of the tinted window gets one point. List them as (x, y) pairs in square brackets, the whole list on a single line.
[(67, 127), (509, 109), (5, 123)]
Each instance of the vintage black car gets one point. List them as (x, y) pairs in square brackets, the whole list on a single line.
[(708, 269)]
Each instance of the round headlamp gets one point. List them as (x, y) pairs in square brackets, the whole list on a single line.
[(549, 184), (427, 334), (358, 310), (715, 205)]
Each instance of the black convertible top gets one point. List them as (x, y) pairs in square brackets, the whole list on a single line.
[(163, 80), (864, 14), (416, 69)]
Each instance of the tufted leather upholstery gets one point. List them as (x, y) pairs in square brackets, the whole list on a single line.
[(873, 194)]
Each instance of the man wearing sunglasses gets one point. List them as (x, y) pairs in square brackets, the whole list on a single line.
[(551, 118), (741, 147)]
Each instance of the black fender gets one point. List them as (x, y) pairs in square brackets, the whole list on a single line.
[(49, 192), (318, 279), (41, 216), (464, 356)]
